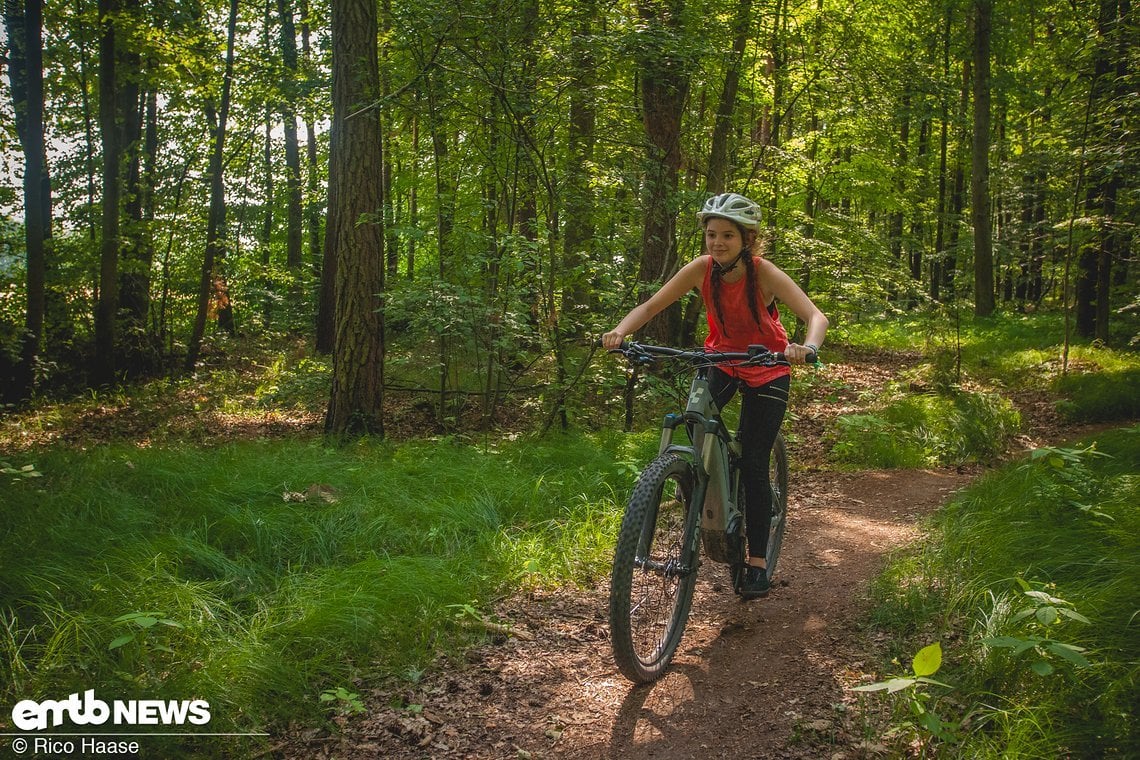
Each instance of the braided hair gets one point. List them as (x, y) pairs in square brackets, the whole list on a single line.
[(716, 280)]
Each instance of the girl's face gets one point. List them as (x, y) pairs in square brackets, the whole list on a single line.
[(723, 240)]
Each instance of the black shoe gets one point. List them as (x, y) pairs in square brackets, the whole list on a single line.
[(755, 584)]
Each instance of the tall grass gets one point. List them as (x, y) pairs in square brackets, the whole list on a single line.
[(1031, 579), (283, 568), (1022, 351), (921, 430)]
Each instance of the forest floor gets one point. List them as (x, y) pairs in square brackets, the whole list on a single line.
[(760, 679), (768, 678)]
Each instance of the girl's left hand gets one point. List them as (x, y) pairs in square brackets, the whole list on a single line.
[(797, 354)]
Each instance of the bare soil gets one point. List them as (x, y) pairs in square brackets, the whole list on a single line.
[(760, 679)]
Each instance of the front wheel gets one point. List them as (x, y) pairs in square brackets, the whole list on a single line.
[(778, 475), (655, 568)]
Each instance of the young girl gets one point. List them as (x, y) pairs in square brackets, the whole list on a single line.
[(740, 288)]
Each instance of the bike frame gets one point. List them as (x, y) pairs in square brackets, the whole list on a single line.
[(715, 490)]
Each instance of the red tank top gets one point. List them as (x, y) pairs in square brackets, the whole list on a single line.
[(742, 330)]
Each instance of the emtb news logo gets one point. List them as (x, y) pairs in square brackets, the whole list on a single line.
[(29, 715)]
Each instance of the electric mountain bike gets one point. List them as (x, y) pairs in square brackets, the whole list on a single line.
[(688, 495)]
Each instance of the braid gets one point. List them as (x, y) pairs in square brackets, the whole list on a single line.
[(715, 283), (753, 285)]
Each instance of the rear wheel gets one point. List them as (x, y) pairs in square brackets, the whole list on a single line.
[(655, 568), (778, 475)]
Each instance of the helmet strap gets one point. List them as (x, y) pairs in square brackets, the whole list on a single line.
[(730, 267)]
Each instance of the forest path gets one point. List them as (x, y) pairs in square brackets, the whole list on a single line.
[(760, 679)]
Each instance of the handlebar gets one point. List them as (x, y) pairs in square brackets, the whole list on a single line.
[(757, 355)]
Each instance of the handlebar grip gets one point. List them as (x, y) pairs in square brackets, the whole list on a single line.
[(811, 358)]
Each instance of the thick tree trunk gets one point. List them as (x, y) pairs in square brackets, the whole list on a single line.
[(356, 402), (134, 270), (24, 23)]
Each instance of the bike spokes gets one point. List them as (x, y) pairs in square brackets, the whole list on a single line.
[(654, 570)]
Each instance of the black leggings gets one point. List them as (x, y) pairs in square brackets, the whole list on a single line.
[(761, 414)]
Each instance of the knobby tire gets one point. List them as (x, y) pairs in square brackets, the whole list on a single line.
[(655, 569)]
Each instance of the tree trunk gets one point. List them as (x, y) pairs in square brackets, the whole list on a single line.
[(980, 177), (719, 174), (579, 198), (24, 24), (357, 399), (1109, 88), (267, 222), (312, 204), (939, 264), (107, 306), (294, 210), (212, 285), (664, 86), (895, 233), (134, 284), (444, 219)]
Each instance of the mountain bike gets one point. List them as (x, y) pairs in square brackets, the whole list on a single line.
[(688, 495)]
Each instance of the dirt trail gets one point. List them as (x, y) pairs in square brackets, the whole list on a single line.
[(761, 679)]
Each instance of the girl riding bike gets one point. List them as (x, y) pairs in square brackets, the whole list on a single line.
[(740, 288)]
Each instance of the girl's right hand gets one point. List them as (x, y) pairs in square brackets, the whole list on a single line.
[(612, 340)]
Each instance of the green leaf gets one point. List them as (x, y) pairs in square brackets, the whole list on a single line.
[(1026, 645), (121, 640), (898, 684), (1045, 597), (928, 660), (132, 617), (1073, 615), (1047, 615), (1070, 653), (1042, 668), (1027, 612), (1003, 642), (891, 686)]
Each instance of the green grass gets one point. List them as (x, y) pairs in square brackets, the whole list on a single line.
[(950, 409), (1041, 556), (284, 568), (929, 429)]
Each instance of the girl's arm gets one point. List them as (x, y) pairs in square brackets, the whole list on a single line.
[(688, 277), (777, 283)]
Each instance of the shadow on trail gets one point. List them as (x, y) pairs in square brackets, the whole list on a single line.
[(765, 679)]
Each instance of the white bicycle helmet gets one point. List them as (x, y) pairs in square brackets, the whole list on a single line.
[(737, 208)]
